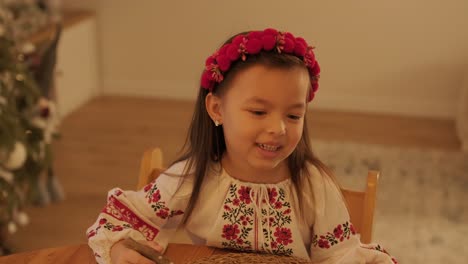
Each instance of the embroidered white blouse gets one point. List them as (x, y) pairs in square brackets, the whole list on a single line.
[(238, 215)]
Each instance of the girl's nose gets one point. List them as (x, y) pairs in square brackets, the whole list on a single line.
[(276, 126)]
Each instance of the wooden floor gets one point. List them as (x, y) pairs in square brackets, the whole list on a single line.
[(103, 141)]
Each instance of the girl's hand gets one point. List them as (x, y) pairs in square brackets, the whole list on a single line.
[(121, 254)]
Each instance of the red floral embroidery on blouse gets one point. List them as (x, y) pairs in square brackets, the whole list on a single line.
[(230, 232), (153, 195), (381, 249), (103, 223), (176, 212), (147, 187), (163, 213), (272, 194), (240, 222), (121, 212), (277, 214), (244, 194), (91, 233), (339, 234), (238, 213), (283, 236)]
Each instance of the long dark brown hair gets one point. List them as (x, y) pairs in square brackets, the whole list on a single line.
[(205, 143)]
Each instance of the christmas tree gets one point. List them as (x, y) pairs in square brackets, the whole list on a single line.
[(28, 117)]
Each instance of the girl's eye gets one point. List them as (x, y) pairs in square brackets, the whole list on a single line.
[(257, 112), (294, 117)]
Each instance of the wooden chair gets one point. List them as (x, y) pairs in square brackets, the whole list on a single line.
[(361, 204)]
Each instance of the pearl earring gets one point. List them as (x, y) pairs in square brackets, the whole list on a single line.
[(216, 123)]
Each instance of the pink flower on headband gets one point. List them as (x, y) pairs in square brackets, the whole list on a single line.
[(253, 43), (223, 50), (233, 52), (269, 42), (224, 62), (301, 47), (237, 40), (289, 45), (255, 35), (206, 81), (215, 72), (315, 87), (270, 31), (309, 58), (311, 96), (210, 60), (316, 69), (254, 46)]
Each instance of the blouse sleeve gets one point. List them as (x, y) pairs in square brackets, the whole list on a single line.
[(334, 239), (152, 213)]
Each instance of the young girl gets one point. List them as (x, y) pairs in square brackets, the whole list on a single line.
[(248, 179)]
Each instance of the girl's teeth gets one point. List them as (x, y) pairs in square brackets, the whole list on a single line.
[(267, 147)]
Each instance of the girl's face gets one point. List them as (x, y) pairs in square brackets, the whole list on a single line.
[(262, 114)]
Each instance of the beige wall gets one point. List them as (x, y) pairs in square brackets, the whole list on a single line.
[(405, 57)]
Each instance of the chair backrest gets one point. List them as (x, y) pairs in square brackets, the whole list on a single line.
[(361, 204), (150, 167)]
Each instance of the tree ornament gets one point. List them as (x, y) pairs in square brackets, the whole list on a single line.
[(17, 157)]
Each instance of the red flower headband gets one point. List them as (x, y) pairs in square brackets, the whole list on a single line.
[(253, 43)]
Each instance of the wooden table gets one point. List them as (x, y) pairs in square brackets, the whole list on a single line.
[(82, 254)]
